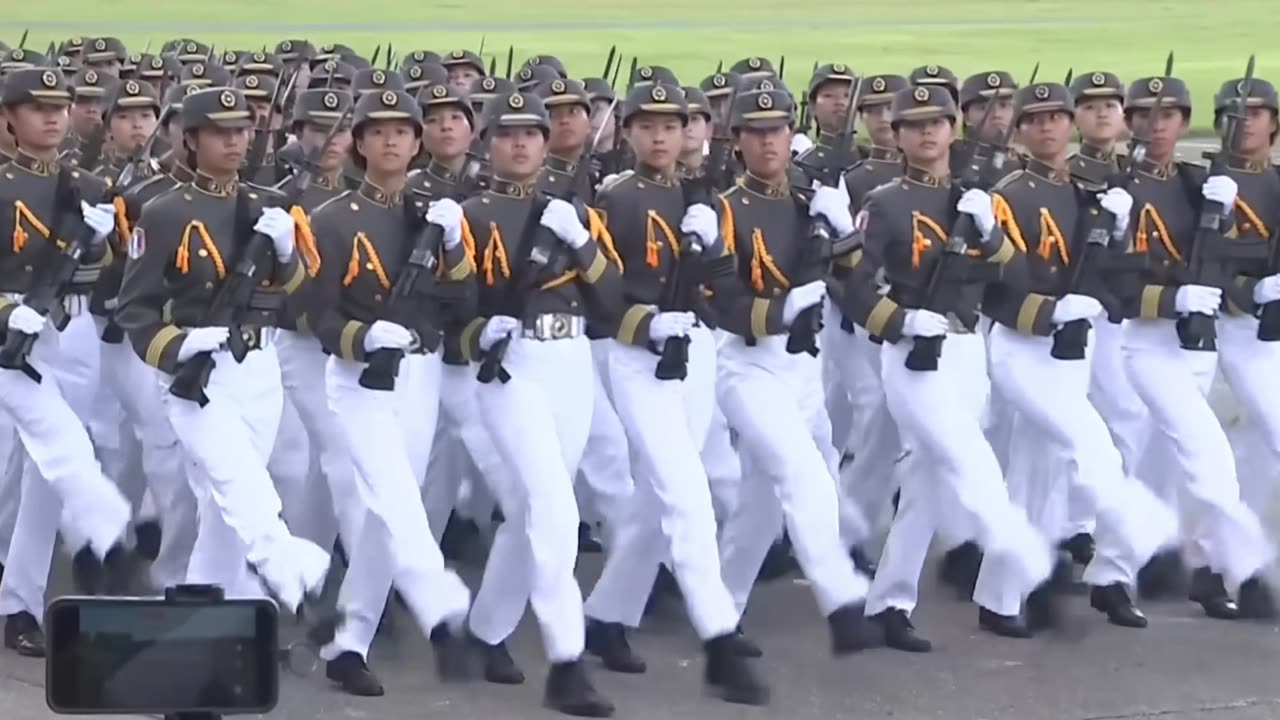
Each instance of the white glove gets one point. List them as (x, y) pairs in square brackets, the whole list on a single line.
[(977, 203), (924, 323), (1075, 307), (670, 324), (100, 217), (1198, 299), (1118, 202), (383, 334), (833, 204), (606, 180), (800, 298), (800, 144), (498, 327), (25, 320), (448, 215), (1221, 189), (562, 219), (202, 340), (701, 220), (1267, 290), (277, 225)]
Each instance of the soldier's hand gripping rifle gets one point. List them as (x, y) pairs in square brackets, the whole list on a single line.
[(415, 282), (984, 168), (803, 335), (1212, 258), (544, 252), (233, 297), (56, 276)]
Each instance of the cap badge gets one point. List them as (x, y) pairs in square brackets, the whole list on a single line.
[(558, 87), (157, 63), (389, 99), (931, 70), (132, 88), (17, 54), (878, 84), (1042, 92), (379, 78), (191, 47), (646, 72), (719, 80), (1155, 85), (993, 80), (754, 63), (488, 83), (91, 78), (227, 99), (921, 94), (839, 67), (765, 101), (659, 93), (765, 85), (439, 91), (197, 70), (1098, 79), (415, 72), (456, 54), (99, 44), (331, 100), (515, 102), (286, 46), (259, 57), (49, 79), (526, 73)]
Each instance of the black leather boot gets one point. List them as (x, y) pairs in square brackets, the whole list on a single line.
[(899, 633), (729, 676), (23, 634), (1010, 626), (499, 667), (1113, 601), (852, 631), (570, 691), (608, 641), (351, 673), (1209, 589), (453, 655)]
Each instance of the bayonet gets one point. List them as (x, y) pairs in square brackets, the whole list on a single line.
[(608, 62), (1168, 65), (511, 58), (22, 42), (1067, 81), (373, 61)]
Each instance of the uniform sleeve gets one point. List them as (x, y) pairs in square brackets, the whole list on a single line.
[(468, 336), (741, 311), (1007, 301), (1148, 294), (857, 296), (338, 334), (143, 292), (600, 268), (289, 275)]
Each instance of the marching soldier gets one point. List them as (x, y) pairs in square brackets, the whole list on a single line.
[(719, 89), (48, 203), (1044, 376), (830, 93), (697, 134), (105, 55), (464, 67), (185, 247), (936, 75), (540, 416), (666, 418), (980, 126)]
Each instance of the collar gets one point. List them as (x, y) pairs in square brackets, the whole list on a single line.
[(656, 176), (1160, 171), (1046, 171), (182, 173), (209, 186), (34, 165), (329, 182), (1246, 165), (514, 190), (560, 165), (921, 176), (883, 154), (826, 139), (441, 171), (377, 195), (1093, 152), (766, 189)]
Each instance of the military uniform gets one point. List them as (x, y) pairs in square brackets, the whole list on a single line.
[(547, 363), (63, 487), (104, 54), (816, 156), (1047, 388), (465, 66), (186, 245), (983, 88)]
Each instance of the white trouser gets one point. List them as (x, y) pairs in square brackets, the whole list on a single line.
[(472, 442), (388, 434), (835, 383), (539, 422), (1174, 383), (11, 460), (938, 414), (227, 444), (1249, 367), (1055, 417), (134, 387), (720, 458), (306, 485), (604, 474), (671, 515), (774, 401)]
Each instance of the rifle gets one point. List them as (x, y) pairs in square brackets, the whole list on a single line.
[(544, 252), (46, 293), (233, 297), (257, 154), (1211, 255), (803, 336), (981, 171), (414, 282)]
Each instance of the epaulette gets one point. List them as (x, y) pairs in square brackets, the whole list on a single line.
[(885, 187), (265, 191), (735, 187), (1007, 179), (613, 182), (330, 201)]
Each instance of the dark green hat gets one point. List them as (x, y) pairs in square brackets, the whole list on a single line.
[(18, 58), (655, 98), (374, 80), (191, 51), (67, 64), (1042, 97), (103, 49), (1261, 94), (697, 102), (464, 57), (560, 92), (598, 89), (257, 62), (419, 56), (359, 62), (1171, 91), (831, 72), (321, 107), (131, 94), (532, 76), (720, 84), (444, 94), (332, 51), (935, 75), (173, 99), (89, 83), (424, 73), (880, 89), (220, 107), (654, 75), (1097, 84), (521, 109), (154, 67), (202, 74), (294, 50), (550, 61), (386, 105), (764, 109), (35, 85), (984, 86), (753, 67), (70, 46), (923, 102), (258, 87), (486, 88), (763, 82), (331, 73)]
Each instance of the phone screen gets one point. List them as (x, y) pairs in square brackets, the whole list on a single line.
[(111, 655)]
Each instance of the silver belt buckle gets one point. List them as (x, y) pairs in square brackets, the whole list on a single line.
[(252, 338), (554, 326)]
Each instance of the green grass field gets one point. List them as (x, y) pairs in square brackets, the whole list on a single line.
[(1131, 37)]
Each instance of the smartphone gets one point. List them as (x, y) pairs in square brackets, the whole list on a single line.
[(152, 655)]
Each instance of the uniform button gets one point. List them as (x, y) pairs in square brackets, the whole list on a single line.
[(662, 280), (777, 292), (266, 283), (573, 303), (203, 253), (354, 206), (208, 286), (27, 268), (186, 196), (377, 297), (640, 185), (746, 201), (368, 266)]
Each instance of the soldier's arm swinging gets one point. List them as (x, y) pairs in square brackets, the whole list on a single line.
[(143, 294)]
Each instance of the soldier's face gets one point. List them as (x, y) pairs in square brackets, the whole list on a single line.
[(766, 152), (313, 136), (570, 128), (461, 76), (446, 133), (656, 139), (220, 151), (131, 127), (1046, 134), (37, 126), (696, 134), (830, 104), (1101, 120), (875, 118), (1169, 124), (261, 111), (997, 122), (1256, 132), (86, 113), (517, 153), (926, 141), (388, 146)]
